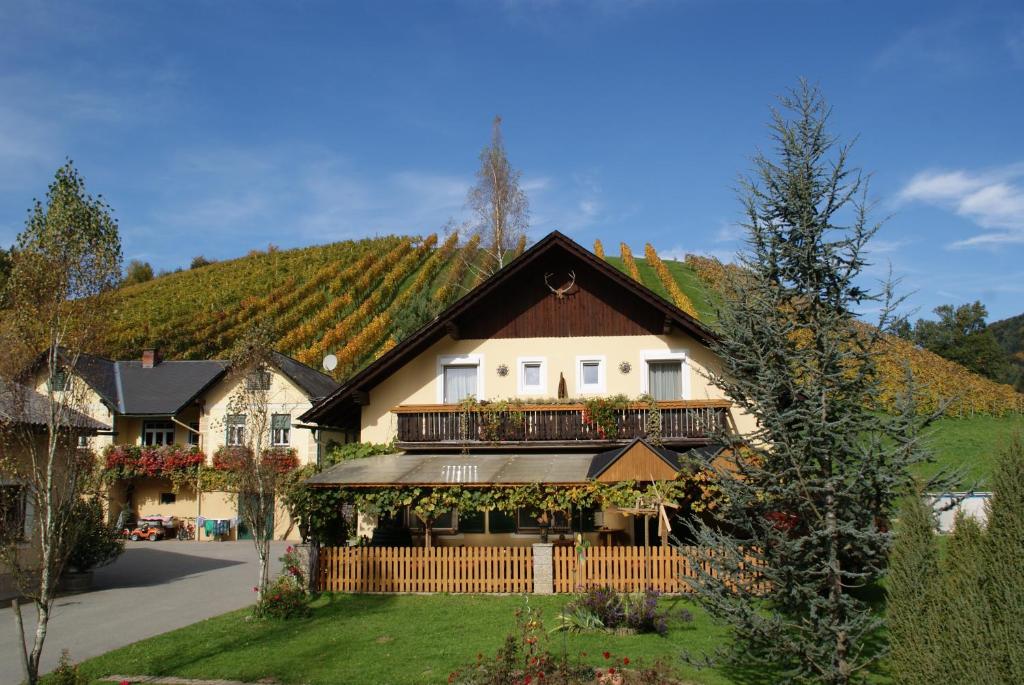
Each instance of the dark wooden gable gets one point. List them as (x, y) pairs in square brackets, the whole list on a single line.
[(526, 308)]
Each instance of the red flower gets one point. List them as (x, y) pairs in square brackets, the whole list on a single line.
[(527, 680), (124, 682), (625, 661), (611, 670), (607, 655)]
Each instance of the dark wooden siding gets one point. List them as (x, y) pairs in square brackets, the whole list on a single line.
[(526, 308)]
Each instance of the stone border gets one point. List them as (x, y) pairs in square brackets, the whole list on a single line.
[(170, 680)]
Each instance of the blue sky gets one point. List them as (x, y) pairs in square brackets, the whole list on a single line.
[(217, 127)]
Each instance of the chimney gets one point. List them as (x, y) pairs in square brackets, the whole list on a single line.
[(151, 357)]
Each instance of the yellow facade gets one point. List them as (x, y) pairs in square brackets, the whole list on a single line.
[(148, 496), (420, 381)]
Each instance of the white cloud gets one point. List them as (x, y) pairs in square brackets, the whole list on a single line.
[(992, 199)]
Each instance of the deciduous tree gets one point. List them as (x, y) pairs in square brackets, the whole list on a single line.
[(68, 260), (499, 204)]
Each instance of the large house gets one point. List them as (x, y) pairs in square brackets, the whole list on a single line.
[(154, 403), (493, 392)]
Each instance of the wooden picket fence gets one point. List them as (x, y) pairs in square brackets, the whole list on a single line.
[(415, 569), (627, 569)]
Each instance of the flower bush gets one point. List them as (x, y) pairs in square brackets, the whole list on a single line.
[(286, 597), (281, 459), (231, 457), (523, 660), (122, 462)]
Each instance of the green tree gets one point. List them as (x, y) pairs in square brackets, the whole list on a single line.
[(138, 272), (67, 262), (961, 335), (961, 619), (809, 494), (912, 604)]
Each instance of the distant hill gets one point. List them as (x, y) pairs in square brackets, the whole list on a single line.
[(1010, 334), (356, 299)]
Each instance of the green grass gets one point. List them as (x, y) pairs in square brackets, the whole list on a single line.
[(386, 639), (971, 446), (703, 300)]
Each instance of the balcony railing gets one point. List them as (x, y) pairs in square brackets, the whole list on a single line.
[(683, 422)]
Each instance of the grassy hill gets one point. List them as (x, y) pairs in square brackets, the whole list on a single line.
[(355, 299)]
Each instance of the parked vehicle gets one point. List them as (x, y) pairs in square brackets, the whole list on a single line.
[(186, 531), (144, 531)]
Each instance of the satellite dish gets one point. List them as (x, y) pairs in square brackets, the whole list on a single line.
[(330, 362)]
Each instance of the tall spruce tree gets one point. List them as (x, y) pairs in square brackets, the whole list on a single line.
[(809, 494)]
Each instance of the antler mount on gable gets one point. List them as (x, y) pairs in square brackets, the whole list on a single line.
[(560, 293)]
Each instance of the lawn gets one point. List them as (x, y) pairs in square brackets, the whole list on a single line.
[(387, 639), (970, 445)]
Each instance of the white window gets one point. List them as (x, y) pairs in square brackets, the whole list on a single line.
[(83, 441), (533, 376), (666, 375), (590, 375), (280, 429), (235, 430), (157, 433), (459, 378)]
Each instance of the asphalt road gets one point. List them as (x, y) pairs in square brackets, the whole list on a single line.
[(152, 588)]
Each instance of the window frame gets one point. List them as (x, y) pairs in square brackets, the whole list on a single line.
[(415, 524), (532, 390), (601, 387), (446, 360), (192, 439), (149, 427), (274, 442), (234, 430), (259, 379), (64, 377), (560, 523), (680, 355)]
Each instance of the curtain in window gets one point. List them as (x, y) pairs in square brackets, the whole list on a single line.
[(459, 383), (665, 380)]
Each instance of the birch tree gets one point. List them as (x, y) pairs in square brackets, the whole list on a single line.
[(499, 204), (68, 260), (258, 469)]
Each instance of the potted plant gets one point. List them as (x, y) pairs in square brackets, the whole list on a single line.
[(96, 543)]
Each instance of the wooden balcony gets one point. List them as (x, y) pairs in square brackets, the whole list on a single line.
[(683, 423)]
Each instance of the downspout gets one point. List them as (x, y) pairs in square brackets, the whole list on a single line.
[(199, 471)]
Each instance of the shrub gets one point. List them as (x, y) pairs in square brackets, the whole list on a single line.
[(231, 458), (286, 597), (603, 608), (961, 618), (281, 459), (96, 542), (66, 673)]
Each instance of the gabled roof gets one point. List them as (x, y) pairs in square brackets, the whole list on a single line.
[(24, 406), (433, 331), (603, 461), (316, 385), (165, 388), (169, 386)]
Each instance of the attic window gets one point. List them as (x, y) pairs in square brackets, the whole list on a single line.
[(258, 380), (58, 382)]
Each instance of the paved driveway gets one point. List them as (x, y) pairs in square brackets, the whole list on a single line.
[(152, 588)]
